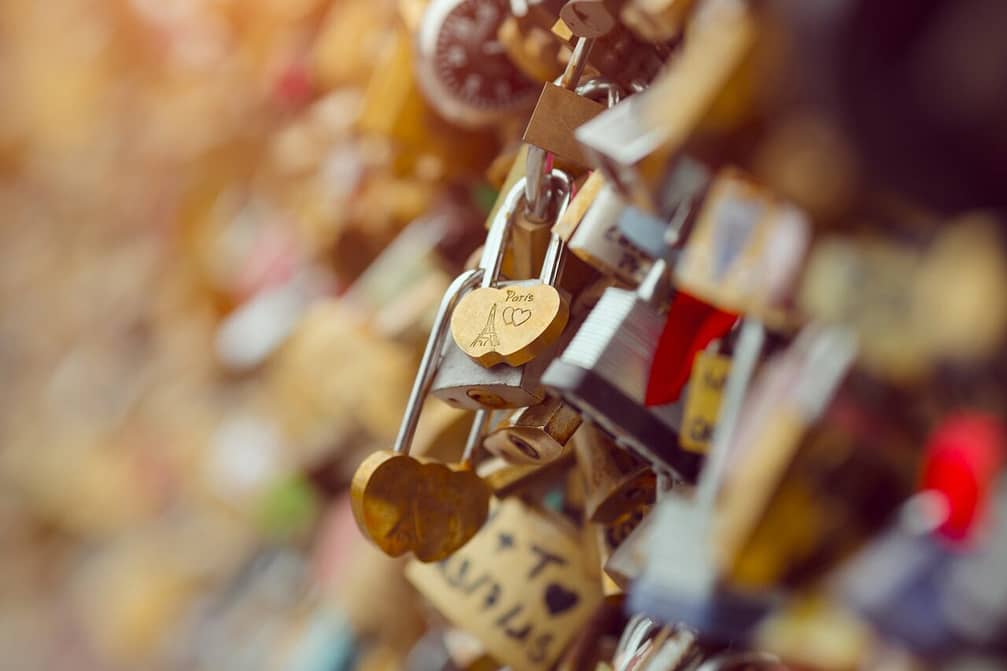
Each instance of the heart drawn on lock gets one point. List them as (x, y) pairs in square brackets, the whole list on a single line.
[(559, 599), (509, 325), (403, 505)]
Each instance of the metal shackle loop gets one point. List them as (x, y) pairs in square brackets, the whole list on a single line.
[(432, 357), (595, 89), (560, 193), (496, 239), (536, 186)]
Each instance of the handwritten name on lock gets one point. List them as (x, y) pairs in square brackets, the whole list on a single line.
[(520, 586)]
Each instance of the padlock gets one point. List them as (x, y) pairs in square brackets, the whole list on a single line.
[(746, 249), (636, 142), (661, 236), (557, 114), (591, 229), (604, 370), (680, 577), (538, 158), (702, 405), (615, 481), (619, 55), (462, 382), (522, 586), (402, 504), (538, 434)]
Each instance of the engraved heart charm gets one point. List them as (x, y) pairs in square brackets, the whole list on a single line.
[(509, 325), (402, 505)]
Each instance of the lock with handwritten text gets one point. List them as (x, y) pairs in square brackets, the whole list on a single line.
[(521, 586)]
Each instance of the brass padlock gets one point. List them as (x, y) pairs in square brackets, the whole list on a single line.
[(637, 142), (615, 481), (522, 586), (702, 405), (463, 382), (535, 435), (557, 114)]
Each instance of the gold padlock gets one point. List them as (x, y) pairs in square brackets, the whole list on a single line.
[(615, 481), (557, 114), (538, 434), (702, 406), (521, 586)]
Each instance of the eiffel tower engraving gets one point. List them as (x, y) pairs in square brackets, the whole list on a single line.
[(488, 336)]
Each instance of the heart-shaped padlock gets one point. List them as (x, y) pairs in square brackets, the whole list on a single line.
[(516, 323), (402, 504)]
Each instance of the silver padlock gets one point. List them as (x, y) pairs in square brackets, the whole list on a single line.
[(663, 236), (464, 383), (604, 372), (597, 240)]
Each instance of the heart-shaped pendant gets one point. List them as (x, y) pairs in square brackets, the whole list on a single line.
[(431, 509), (509, 325)]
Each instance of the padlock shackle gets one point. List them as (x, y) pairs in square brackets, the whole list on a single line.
[(600, 86), (432, 357), (480, 423), (552, 264), (496, 239)]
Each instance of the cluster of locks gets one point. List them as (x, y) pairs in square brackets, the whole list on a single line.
[(724, 388), (734, 374)]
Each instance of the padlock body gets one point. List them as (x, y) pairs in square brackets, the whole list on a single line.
[(535, 435), (604, 372), (463, 383)]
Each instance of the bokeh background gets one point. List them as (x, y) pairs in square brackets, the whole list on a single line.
[(193, 363)]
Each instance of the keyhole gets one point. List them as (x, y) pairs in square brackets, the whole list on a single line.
[(524, 447)]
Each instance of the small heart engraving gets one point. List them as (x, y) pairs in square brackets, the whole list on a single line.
[(515, 316), (558, 599)]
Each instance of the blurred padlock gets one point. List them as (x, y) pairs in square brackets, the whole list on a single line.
[(590, 227), (746, 249), (660, 236), (636, 142), (680, 577), (615, 481), (702, 405), (604, 371), (522, 587), (535, 435)]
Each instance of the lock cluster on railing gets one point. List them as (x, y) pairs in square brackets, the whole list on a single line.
[(735, 360)]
